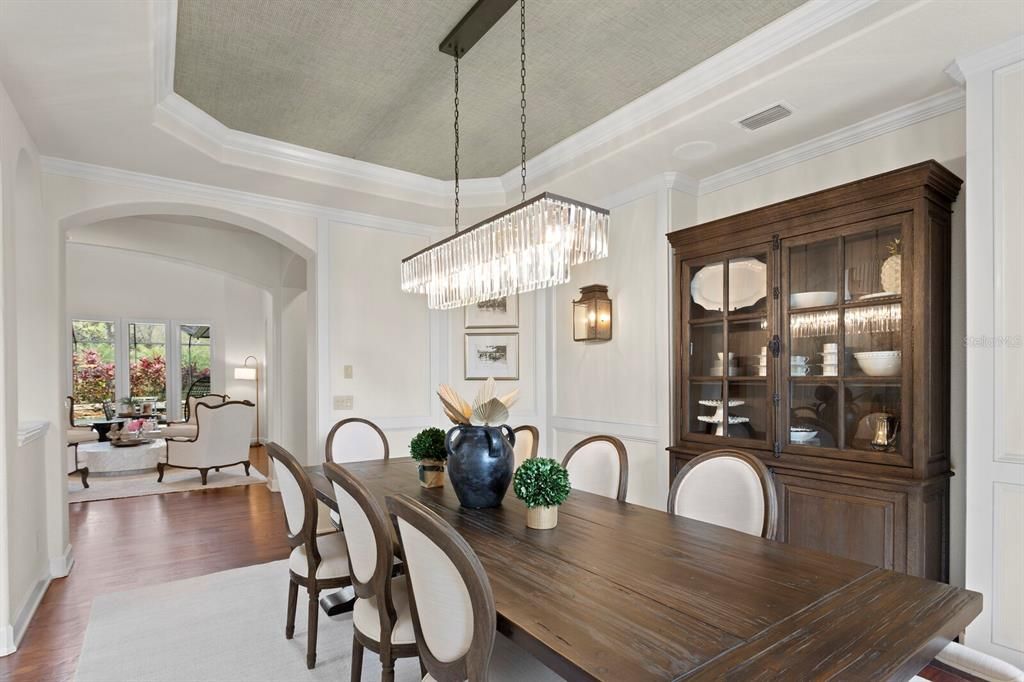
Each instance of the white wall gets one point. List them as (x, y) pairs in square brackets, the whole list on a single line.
[(32, 538), (105, 283), (994, 339), (393, 344)]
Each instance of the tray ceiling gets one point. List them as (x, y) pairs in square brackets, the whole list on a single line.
[(365, 79)]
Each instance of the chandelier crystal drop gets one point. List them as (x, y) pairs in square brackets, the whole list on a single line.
[(530, 246)]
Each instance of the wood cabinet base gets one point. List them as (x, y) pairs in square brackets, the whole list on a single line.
[(902, 526)]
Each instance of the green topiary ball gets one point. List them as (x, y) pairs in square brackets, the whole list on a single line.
[(541, 482), (428, 444)]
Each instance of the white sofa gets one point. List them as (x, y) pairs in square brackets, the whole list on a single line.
[(221, 439)]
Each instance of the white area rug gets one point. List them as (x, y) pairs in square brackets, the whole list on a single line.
[(229, 627), (225, 626), (175, 481)]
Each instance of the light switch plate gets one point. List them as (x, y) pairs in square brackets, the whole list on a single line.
[(348, 371), (343, 402)]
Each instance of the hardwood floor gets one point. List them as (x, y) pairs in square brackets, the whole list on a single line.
[(121, 544), (127, 543)]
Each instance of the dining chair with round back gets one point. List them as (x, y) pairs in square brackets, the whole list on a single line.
[(527, 442), (599, 464), (367, 441), (730, 488), (316, 562), (453, 609), (381, 617)]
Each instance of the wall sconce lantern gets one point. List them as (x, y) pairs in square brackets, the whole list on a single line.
[(592, 314)]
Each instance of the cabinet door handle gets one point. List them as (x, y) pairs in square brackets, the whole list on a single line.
[(775, 345)]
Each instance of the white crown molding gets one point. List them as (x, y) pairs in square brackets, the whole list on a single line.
[(901, 117), (180, 118), (1006, 52), (195, 190), (30, 431), (794, 27), (652, 185)]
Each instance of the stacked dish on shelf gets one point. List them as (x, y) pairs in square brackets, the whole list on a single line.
[(798, 366), (762, 362), (830, 360), (717, 369)]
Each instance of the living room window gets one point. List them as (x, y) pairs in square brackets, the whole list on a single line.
[(117, 362), (93, 367)]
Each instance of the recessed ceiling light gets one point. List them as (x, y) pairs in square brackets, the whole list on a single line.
[(697, 149)]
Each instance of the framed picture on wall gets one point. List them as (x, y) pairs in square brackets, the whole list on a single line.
[(492, 355), (499, 312)]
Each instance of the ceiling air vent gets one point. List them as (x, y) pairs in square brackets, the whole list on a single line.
[(763, 118)]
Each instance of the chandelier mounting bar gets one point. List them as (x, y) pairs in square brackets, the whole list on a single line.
[(472, 27)]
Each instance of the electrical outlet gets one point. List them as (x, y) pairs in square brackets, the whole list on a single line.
[(348, 371), (343, 402)]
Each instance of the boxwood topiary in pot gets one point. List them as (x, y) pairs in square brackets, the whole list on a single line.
[(543, 484), (427, 448)]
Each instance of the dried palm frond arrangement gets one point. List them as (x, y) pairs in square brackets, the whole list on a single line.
[(487, 409)]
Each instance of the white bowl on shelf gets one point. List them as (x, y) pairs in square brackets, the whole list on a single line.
[(881, 363), (812, 299), (798, 359), (798, 435), (722, 355)]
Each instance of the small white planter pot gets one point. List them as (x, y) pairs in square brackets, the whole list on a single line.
[(541, 518)]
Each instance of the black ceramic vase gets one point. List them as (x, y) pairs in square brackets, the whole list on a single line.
[(480, 463)]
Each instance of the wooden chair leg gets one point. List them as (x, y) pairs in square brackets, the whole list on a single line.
[(246, 465), (357, 659), (387, 668), (423, 668), (84, 473), (203, 473), (159, 472), (293, 598), (314, 612)]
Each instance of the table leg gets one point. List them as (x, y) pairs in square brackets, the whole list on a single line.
[(338, 602)]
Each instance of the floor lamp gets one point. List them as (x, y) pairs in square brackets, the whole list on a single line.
[(247, 373)]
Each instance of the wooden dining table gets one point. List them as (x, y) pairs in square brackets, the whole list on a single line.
[(622, 592)]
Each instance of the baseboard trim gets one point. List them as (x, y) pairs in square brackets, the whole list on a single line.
[(61, 566), (28, 610), (7, 640)]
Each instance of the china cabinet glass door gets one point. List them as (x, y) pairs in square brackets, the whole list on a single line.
[(843, 342), (727, 318)]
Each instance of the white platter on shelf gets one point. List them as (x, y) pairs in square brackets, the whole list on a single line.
[(880, 294), (733, 402), (717, 419), (748, 284)]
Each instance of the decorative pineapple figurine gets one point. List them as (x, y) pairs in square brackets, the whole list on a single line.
[(892, 268)]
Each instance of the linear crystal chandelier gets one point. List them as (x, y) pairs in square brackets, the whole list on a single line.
[(529, 246)]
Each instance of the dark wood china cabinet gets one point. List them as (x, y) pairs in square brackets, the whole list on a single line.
[(815, 334)]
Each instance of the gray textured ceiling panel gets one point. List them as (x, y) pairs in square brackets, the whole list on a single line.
[(364, 78)]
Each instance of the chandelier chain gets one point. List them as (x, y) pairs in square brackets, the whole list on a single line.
[(456, 140), (522, 89)]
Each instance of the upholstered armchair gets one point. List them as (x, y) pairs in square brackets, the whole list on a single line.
[(222, 436), (77, 435), (187, 428)]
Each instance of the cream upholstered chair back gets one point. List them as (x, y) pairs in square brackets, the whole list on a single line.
[(210, 399), (224, 433), (360, 440), (527, 442), (367, 534), (599, 464), (297, 495), (728, 488), (452, 603)]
